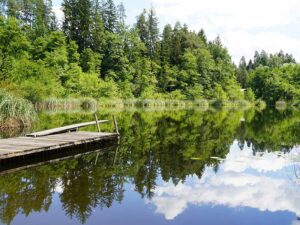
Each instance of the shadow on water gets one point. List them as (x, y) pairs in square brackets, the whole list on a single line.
[(154, 145)]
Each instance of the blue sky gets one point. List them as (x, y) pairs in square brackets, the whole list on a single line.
[(244, 26)]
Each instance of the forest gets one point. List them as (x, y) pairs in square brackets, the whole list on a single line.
[(93, 53)]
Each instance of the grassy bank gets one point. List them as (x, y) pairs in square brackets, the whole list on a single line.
[(53, 104), (61, 104), (201, 103), (88, 105), (15, 111)]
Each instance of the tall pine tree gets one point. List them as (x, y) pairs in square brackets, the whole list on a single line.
[(153, 33)]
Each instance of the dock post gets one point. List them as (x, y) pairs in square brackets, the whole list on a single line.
[(115, 156), (98, 127), (115, 124), (97, 158)]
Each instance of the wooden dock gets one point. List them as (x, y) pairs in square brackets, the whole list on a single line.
[(53, 140)]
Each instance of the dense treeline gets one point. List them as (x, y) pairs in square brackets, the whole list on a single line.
[(272, 77), (93, 52)]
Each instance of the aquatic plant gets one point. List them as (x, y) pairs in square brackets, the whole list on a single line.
[(66, 104), (260, 104), (15, 111), (88, 103), (281, 105)]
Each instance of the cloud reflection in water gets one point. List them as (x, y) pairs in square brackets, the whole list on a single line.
[(243, 180)]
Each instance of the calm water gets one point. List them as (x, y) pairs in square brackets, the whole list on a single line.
[(172, 167)]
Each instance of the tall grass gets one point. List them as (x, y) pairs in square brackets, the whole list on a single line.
[(151, 103), (281, 105), (260, 104), (89, 103), (66, 104), (57, 104), (202, 104), (15, 111), (241, 104)]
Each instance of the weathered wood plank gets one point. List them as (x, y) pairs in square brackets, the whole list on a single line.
[(6, 151), (64, 129), (69, 137), (21, 146), (31, 144)]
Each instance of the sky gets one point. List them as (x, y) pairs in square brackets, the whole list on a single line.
[(265, 182), (244, 26)]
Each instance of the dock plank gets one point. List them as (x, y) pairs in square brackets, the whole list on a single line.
[(64, 129), (19, 146)]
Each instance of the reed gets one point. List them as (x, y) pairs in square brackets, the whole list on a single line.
[(15, 111), (235, 104), (89, 103), (151, 103), (66, 104), (260, 104), (281, 105)]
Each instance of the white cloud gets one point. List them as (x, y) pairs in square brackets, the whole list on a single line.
[(59, 187), (59, 13), (232, 13), (245, 26), (240, 161), (232, 190), (243, 43), (235, 186)]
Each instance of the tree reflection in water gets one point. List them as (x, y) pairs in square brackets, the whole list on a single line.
[(154, 144)]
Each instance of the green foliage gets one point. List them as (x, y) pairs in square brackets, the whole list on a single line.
[(220, 95), (260, 104), (13, 46), (274, 84), (271, 60), (90, 61), (249, 95), (108, 89), (242, 72), (96, 54), (15, 111), (272, 77)]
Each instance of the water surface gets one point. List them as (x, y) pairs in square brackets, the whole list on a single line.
[(172, 167)]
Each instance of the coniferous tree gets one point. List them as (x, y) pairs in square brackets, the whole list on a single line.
[(121, 16), (242, 72), (44, 18), (97, 29), (77, 23), (166, 44), (153, 33), (142, 27), (98, 51), (176, 44), (202, 35), (109, 15), (69, 24)]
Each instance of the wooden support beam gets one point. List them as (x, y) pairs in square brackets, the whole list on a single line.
[(98, 126), (115, 124), (64, 129)]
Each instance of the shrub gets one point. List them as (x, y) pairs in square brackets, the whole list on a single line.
[(281, 105), (249, 95), (88, 103)]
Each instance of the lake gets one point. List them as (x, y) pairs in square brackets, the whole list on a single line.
[(172, 167)]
